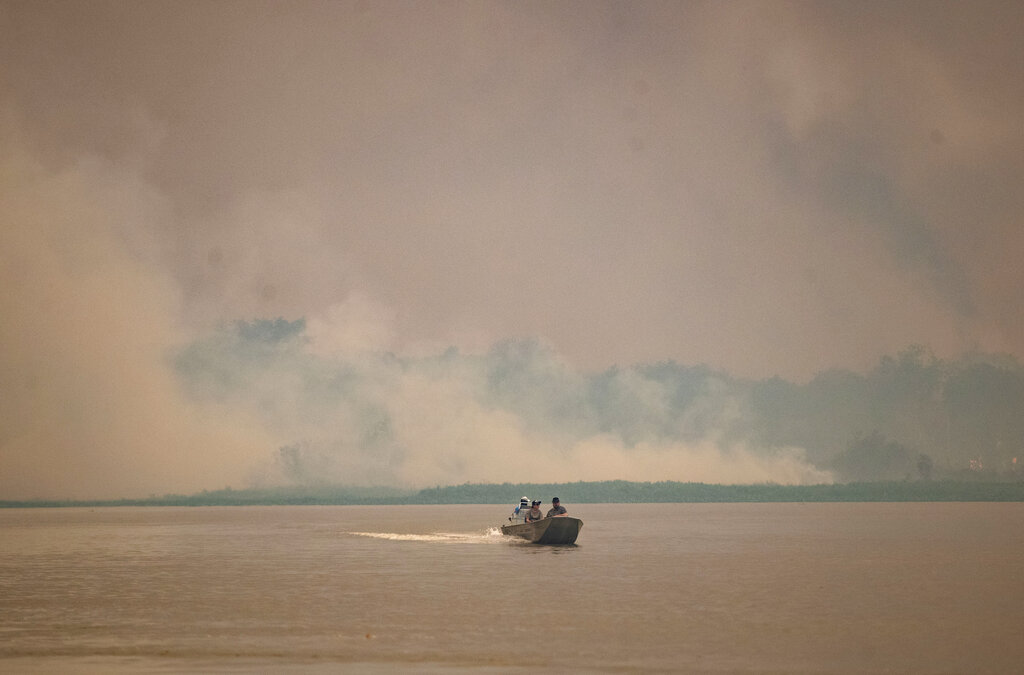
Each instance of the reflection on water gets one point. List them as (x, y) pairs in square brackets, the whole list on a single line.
[(846, 588)]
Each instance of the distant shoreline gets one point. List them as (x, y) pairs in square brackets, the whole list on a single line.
[(579, 493)]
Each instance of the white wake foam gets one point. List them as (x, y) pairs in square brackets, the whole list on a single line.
[(492, 535)]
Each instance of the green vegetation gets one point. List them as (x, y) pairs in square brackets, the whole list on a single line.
[(583, 493), (911, 417)]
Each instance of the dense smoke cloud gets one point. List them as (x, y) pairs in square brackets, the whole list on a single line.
[(517, 413), (90, 404), (768, 188)]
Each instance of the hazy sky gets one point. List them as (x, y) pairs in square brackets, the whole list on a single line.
[(765, 187)]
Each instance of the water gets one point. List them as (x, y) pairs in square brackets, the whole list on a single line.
[(715, 588)]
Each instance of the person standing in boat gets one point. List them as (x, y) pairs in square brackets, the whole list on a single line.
[(556, 508), (534, 513)]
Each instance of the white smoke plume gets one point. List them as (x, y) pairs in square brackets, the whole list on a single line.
[(90, 405), (516, 413), (769, 188)]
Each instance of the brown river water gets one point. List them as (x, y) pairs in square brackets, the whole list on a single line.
[(687, 588)]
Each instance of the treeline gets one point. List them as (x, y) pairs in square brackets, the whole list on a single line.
[(912, 417), (616, 492), (626, 492)]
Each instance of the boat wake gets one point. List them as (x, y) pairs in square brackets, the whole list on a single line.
[(492, 535)]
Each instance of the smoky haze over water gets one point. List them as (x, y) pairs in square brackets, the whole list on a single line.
[(511, 414), (467, 214)]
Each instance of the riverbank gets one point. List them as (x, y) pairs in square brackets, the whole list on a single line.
[(579, 493)]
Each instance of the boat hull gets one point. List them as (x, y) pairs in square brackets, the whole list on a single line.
[(558, 530)]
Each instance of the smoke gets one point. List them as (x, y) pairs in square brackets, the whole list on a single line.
[(108, 392), (515, 413), (773, 189), (770, 188), (89, 405)]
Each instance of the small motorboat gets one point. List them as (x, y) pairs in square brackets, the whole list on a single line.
[(554, 530)]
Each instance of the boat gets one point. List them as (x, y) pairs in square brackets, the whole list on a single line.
[(552, 530), (557, 530)]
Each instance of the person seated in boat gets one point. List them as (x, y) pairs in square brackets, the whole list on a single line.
[(534, 513), (520, 511), (556, 508)]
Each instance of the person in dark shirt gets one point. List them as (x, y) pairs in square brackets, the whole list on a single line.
[(556, 508)]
